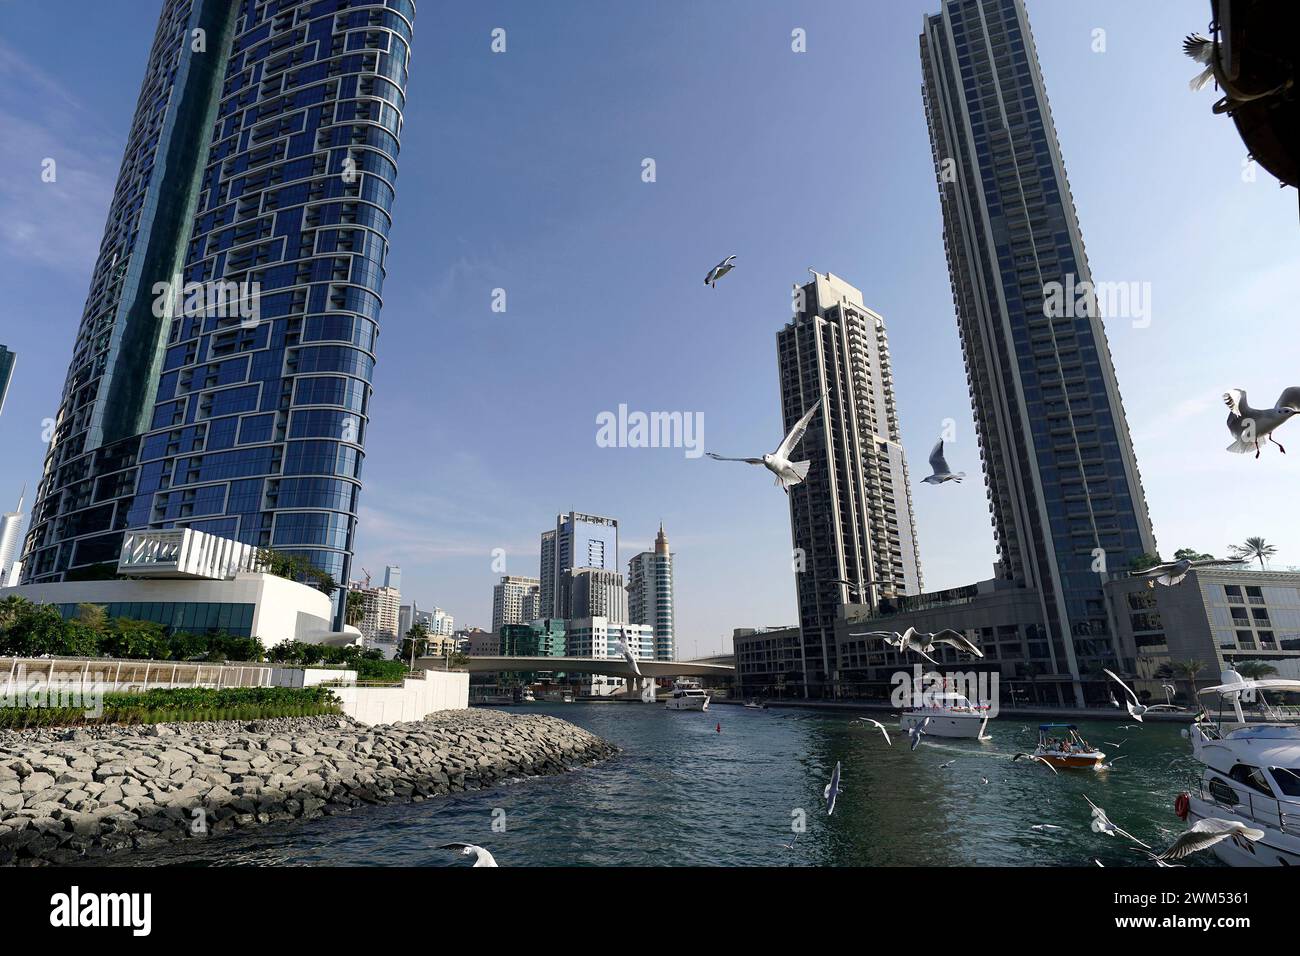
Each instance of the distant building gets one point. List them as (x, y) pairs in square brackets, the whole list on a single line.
[(7, 360), (769, 661), (593, 592), (543, 638), (380, 613), (515, 600), (598, 637), (650, 595), (578, 541), (851, 519), (11, 527), (393, 577), (477, 642)]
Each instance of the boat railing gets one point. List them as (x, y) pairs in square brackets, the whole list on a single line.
[(1257, 806)]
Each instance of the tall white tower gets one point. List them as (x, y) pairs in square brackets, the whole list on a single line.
[(11, 526)]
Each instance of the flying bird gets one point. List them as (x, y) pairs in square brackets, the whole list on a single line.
[(877, 724), (1206, 833), (1045, 826), (1248, 425), (1201, 50), (1135, 707), (940, 467), (832, 790), (481, 856), (628, 655), (1111, 743), (718, 271), (1103, 824), (950, 637), (1045, 763), (788, 473), (945, 766), (1170, 573), (916, 731)]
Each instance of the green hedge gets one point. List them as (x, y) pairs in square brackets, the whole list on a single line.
[(182, 704)]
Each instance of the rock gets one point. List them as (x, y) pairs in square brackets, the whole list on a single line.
[(37, 781)]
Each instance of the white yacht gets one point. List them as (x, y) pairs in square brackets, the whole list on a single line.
[(687, 695), (1252, 773), (951, 715)]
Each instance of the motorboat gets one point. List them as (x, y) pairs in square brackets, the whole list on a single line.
[(1062, 745), (755, 705), (567, 699), (687, 695), (951, 715), (1252, 771)]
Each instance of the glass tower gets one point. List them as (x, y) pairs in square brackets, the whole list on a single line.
[(261, 160), (1063, 486), (6, 373), (578, 541)]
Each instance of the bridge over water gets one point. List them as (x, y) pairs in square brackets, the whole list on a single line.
[(610, 667)]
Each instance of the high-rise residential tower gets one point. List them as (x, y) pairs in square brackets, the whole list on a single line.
[(221, 375), (650, 595), (578, 541), (7, 359), (1063, 486), (595, 592), (851, 520), (515, 600)]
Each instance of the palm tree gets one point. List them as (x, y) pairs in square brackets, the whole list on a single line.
[(1254, 548), (356, 608), (12, 608), (1254, 670), (1188, 671)]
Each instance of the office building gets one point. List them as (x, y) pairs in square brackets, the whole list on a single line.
[(578, 541), (650, 595), (851, 519), (1062, 478), (593, 592), (515, 600), (7, 360), (221, 375), (393, 577)]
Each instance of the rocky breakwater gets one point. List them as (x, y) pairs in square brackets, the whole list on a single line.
[(72, 795)]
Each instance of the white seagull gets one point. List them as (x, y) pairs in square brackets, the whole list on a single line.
[(1135, 707), (1170, 573), (891, 638), (951, 638), (718, 271), (875, 723), (1045, 763), (628, 655), (1103, 824), (788, 473), (1205, 833), (916, 731), (832, 790), (941, 471), (1201, 50), (481, 856), (1249, 425)]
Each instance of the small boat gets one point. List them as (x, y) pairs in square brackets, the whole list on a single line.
[(1251, 772), (951, 715), (755, 705), (527, 697), (567, 699), (1062, 745), (687, 695)]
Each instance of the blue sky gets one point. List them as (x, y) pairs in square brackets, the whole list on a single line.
[(522, 171)]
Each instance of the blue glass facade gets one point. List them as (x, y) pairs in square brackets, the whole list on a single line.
[(6, 373), (1063, 483), (276, 172)]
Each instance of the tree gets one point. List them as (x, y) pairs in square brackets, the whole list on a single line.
[(1188, 671), (94, 616), (12, 608), (1254, 670), (1254, 548), (1191, 554), (124, 637), (296, 568), (1142, 562), (356, 608)]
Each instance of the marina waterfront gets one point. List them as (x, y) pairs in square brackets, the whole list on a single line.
[(682, 793)]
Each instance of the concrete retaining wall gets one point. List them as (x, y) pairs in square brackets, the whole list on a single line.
[(414, 700)]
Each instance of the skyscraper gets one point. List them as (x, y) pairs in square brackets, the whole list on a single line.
[(851, 520), (221, 376), (1063, 486), (595, 592), (11, 526), (7, 359), (393, 577), (578, 541), (650, 595), (515, 600)]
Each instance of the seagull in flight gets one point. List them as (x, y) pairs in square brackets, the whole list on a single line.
[(950, 637), (481, 856), (1201, 50), (718, 271), (1248, 425), (1170, 573), (628, 655), (1206, 833), (916, 732), (1135, 707), (945, 766), (788, 473), (1111, 743), (1045, 763), (875, 723), (832, 790), (1103, 824), (1045, 826), (940, 467)]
